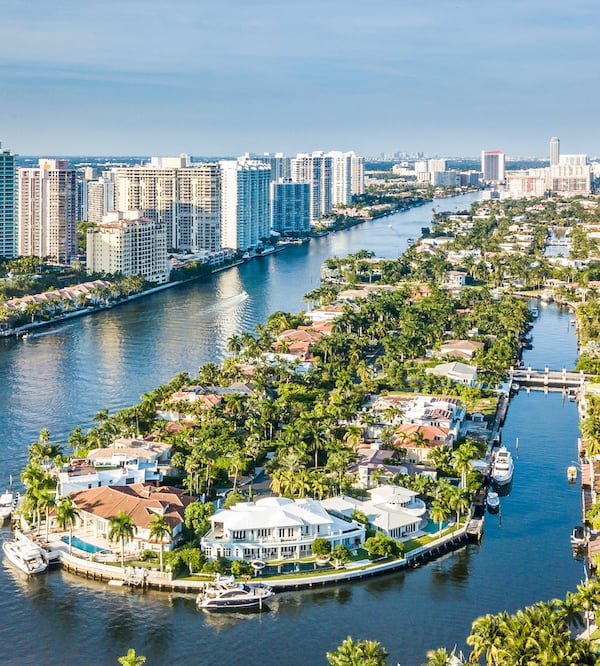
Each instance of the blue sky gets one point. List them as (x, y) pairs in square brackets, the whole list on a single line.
[(218, 78)]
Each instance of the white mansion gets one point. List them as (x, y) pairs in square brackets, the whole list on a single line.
[(276, 528)]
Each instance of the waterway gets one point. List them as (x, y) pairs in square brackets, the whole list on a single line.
[(61, 378)]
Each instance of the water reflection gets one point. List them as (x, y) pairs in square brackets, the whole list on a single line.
[(453, 568)]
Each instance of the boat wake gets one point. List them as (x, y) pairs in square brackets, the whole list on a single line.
[(44, 334), (232, 301)]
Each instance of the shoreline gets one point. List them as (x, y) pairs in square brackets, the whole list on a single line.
[(23, 331), (161, 582)]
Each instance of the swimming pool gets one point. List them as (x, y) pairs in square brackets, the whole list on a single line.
[(80, 544), (434, 528)]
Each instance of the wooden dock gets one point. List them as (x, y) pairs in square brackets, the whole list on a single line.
[(475, 528)]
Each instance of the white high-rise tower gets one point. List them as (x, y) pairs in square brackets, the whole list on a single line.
[(554, 151)]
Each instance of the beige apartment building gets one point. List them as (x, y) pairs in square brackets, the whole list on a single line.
[(48, 210), (185, 198), (129, 244)]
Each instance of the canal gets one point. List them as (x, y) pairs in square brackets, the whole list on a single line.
[(62, 377)]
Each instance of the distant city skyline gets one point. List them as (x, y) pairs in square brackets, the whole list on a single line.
[(140, 78)]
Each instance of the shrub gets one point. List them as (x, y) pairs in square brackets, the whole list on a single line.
[(381, 545), (321, 547)]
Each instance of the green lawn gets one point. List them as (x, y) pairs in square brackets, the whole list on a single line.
[(413, 544)]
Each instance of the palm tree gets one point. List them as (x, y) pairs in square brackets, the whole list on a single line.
[(132, 659), (588, 595), (66, 517), (459, 501), (122, 528), (160, 528), (439, 657), (461, 460), (361, 653), (487, 636), (438, 513)]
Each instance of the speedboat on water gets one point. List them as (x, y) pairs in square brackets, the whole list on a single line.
[(225, 593), (26, 555), (502, 467)]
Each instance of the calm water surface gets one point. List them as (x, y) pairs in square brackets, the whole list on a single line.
[(62, 377)]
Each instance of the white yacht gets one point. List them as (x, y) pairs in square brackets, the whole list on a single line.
[(226, 593), (26, 555), (502, 467), (534, 312)]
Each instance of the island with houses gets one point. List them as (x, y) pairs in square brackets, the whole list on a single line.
[(349, 439)]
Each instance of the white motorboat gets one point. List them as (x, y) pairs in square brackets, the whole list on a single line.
[(493, 501), (502, 467), (6, 505), (534, 312), (26, 555), (226, 593)]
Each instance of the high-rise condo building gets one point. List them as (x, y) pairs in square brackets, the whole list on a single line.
[(315, 169), (573, 160), (100, 199), (48, 210), (341, 177), (436, 164), (246, 203), (554, 150), (185, 198), (358, 174), (492, 166), (334, 178), (279, 163), (82, 198), (8, 205), (291, 207), (128, 244)]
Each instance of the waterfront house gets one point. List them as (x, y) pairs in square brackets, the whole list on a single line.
[(393, 510), (127, 461), (140, 501), (276, 528)]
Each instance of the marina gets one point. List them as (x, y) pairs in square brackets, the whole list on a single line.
[(109, 619)]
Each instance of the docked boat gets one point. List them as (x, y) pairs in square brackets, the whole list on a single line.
[(578, 537), (410, 241), (26, 555), (571, 474), (7, 500), (493, 501), (502, 467), (534, 312), (225, 593)]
